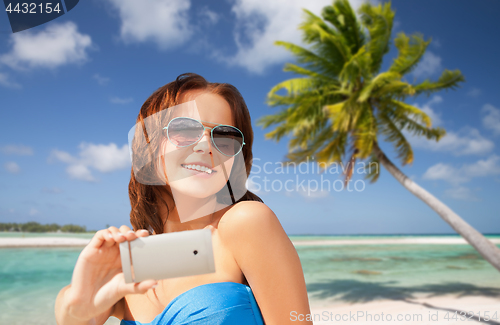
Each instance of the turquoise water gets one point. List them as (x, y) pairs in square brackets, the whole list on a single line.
[(30, 278), (362, 273)]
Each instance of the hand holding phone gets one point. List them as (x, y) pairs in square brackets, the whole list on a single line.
[(98, 282), (169, 255)]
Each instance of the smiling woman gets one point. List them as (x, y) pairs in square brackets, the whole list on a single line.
[(192, 152)]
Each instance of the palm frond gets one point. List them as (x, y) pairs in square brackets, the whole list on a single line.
[(310, 140), (311, 60), (364, 132), (380, 80), (316, 31), (293, 86), (372, 168), (378, 20), (290, 67), (410, 51), (403, 109), (341, 15), (393, 134), (356, 68), (395, 88), (334, 150), (407, 121), (448, 80)]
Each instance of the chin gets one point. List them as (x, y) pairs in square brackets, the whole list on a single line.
[(188, 191)]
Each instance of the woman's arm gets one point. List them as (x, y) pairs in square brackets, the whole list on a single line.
[(98, 283), (268, 260), (63, 315)]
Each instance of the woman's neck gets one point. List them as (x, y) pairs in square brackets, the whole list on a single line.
[(173, 222)]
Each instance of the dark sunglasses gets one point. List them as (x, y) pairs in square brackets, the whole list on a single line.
[(186, 131)]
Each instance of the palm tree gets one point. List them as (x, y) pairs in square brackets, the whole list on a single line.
[(341, 104)]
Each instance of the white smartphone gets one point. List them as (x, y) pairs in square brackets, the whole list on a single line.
[(170, 255)]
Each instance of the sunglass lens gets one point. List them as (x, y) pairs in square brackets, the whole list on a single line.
[(184, 132), (228, 139)]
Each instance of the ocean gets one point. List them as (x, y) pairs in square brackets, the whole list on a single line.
[(30, 278)]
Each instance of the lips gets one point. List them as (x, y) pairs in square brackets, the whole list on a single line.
[(199, 168), (199, 163)]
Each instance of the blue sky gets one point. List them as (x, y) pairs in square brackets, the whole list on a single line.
[(71, 89)]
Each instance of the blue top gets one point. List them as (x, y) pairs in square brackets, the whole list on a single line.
[(212, 303)]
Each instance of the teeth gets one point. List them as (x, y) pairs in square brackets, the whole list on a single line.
[(199, 168)]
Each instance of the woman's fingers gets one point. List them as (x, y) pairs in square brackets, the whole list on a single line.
[(137, 288), (102, 237), (108, 237), (117, 235), (129, 233), (142, 233)]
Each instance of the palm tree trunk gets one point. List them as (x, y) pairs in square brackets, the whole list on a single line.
[(486, 248)]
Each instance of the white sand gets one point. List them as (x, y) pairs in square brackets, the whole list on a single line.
[(68, 241), (435, 312), (424, 310), (428, 240), (42, 242)]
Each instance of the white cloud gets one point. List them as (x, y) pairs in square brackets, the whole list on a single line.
[(445, 172), (262, 22), (81, 172), (164, 22), (56, 45), (12, 167), (103, 81), (467, 141), (429, 65), (465, 173), (474, 92), (33, 212), (492, 118), (118, 100), (427, 109), (208, 16), (461, 193), (436, 43), (7, 82), (17, 150), (103, 158)]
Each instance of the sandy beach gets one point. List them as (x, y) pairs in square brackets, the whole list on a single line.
[(70, 242), (449, 309), (43, 242), (428, 240), (421, 311)]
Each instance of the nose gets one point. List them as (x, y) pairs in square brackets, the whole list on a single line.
[(204, 144)]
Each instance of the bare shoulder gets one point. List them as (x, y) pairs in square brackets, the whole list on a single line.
[(249, 218), (267, 258), (252, 224)]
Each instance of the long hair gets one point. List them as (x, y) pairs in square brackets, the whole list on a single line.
[(145, 199)]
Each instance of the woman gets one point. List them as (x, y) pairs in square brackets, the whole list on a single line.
[(258, 274)]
